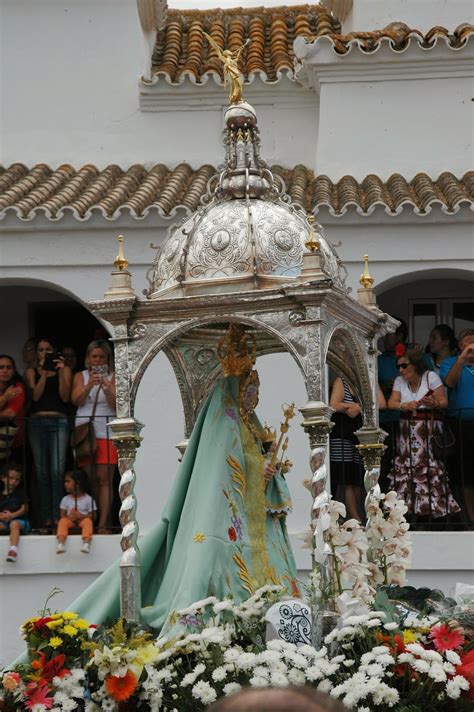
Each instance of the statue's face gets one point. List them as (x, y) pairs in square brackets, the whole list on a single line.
[(227, 53), (251, 397), (248, 396)]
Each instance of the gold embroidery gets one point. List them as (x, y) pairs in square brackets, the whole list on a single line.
[(237, 476), (255, 506), (199, 538), (244, 574)]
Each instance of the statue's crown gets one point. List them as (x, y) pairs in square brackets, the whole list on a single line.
[(268, 434), (237, 351)]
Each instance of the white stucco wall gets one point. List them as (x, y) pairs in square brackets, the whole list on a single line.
[(393, 126), (421, 14), (78, 101)]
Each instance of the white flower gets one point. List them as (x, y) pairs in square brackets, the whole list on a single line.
[(325, 686), (219, 674), (231, 654), (313, 673), (390, 626), (454, 686), (296, 677), (421, 665), (258, 681), (231, 688), (38, 708), (225, 605), (204, 692), (452, 657), (270, 656), (278, 679), (245, 661)]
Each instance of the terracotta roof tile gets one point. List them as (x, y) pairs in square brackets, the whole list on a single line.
[(138, 191), (181, 49), (399, 36)]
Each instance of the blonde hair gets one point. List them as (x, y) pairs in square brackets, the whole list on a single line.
[(105, 346)]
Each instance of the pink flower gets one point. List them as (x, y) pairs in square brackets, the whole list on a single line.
[(10, 681), (37, 695), (445, 638)]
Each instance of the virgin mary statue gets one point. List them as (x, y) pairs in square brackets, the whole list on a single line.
[(223, 529)]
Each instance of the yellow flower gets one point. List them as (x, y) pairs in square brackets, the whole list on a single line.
[(409, 637), (69, 615), (55, 641), (54, 624), (55, 616), (147, 654), (81, 624), (69, 630), (199, 538)]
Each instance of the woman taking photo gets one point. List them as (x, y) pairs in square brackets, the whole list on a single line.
[(93, 392), (48, 429), (417, 476), (12, 408)]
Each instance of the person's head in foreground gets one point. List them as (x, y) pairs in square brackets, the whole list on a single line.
[(278, 699)]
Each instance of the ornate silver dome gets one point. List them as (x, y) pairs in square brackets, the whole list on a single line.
[(246, 235)]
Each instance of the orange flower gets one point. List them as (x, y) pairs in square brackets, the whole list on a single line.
[(121, 688)]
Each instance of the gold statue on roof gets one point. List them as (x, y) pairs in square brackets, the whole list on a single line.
[(230, 65)]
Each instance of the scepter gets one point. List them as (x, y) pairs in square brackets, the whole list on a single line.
[(289, 412)]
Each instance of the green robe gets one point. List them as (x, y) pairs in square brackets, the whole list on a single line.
[(221, 533)]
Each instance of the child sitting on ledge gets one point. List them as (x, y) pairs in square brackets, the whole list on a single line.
[(77, 509), (13, 508)]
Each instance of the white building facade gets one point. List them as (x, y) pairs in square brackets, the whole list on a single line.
[(111, 120)]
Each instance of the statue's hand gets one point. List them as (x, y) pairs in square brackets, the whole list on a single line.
[(270, 472)]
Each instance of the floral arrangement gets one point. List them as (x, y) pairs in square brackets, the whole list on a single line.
[(395, 659), (362, 558)]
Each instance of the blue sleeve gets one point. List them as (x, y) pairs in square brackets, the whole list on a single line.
[(446, 366)]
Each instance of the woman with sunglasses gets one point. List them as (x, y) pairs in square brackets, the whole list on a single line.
[(417, 476), (12, 407)]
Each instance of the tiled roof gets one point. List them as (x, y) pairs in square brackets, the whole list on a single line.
[(399, 37), (111, 192), (181, 49)]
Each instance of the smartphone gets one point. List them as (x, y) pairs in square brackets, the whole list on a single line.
[(101, 370), (49, 360)]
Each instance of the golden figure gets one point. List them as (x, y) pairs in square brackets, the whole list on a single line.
[(232, 74)]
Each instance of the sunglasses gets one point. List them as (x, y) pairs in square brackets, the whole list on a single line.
[(402, 365), (8, 368)]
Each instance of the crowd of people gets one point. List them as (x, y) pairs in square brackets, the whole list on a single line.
[(46, 476), (426, 402), (426, 407)]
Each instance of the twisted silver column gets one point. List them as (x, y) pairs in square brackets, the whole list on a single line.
[(371, 449), (317, 425), (125, 433)]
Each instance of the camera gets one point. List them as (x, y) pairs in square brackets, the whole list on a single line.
[(49, 360), (101, 370)]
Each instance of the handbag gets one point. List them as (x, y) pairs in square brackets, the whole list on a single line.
[(8, 431), (443, 443), (83, 440)]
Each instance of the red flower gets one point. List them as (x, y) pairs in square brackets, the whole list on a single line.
[(232, 534), (41, 628), (121, 688), (53, 668), (446, 638), (37, 695), (466, 669), (400, 350)]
